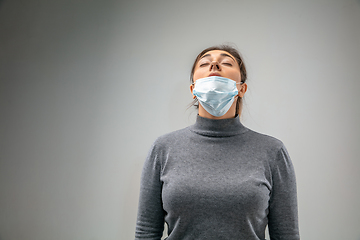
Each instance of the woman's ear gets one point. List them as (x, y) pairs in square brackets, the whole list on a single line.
[(191, 90), (243, 89)]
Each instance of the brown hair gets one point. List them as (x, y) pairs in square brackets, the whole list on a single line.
[(235, 53)]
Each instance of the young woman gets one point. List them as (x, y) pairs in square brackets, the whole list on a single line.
[(218, 179)]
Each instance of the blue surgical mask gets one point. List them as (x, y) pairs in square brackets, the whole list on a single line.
[(215, 94)]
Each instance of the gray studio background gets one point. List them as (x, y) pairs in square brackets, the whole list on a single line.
[(87, 86)]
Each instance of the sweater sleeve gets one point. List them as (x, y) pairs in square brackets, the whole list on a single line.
[(150, 218), (283, 211)]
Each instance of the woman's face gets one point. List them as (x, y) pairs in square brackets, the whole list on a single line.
[(217, 63)]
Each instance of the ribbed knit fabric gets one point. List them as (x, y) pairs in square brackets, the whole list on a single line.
[(217, 180)]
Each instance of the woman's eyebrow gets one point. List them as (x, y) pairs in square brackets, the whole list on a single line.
[(227, 55), (206, 55), (222, 54)]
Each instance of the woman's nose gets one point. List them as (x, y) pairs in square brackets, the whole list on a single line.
[(215, 66)]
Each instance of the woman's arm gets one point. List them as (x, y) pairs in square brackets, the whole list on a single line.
[(283, 210), (150, 218)]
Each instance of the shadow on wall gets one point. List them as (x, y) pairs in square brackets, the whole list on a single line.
[(131, 193)]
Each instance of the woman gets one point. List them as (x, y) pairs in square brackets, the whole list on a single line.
[(218, 179)]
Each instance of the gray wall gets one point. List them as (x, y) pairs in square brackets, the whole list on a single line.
[(87, 86)]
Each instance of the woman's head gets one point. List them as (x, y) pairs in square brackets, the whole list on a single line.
[(226, 48), (224, 61)]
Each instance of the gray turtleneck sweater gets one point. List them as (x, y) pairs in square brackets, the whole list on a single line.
[(217, 180)]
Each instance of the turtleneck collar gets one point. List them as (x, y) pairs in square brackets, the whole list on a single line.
[(218, 128)]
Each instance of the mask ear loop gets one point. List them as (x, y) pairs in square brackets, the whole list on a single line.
[(237, 97), (240, 84), (195, 98)]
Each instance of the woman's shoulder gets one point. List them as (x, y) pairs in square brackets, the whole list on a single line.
[(172, 137), (265, 140), (272, 147)]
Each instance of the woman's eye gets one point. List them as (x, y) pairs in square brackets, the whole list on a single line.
[(203, 64), (227, 63)]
